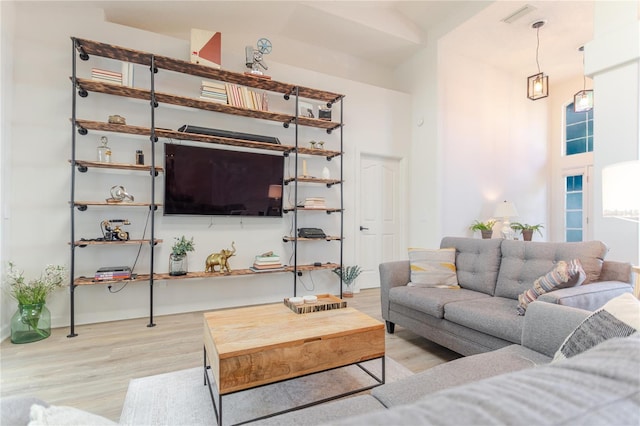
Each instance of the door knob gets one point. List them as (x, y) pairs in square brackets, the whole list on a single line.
[(362, 228)]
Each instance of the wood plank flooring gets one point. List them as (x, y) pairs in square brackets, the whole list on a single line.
[(92, 371)]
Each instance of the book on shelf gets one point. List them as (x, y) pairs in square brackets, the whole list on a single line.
[(106, 76), (268, 258), (315, 203), (244, 97), (254, 269)]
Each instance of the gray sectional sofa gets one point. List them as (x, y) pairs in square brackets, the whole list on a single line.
[(515, 385), (481, 315)]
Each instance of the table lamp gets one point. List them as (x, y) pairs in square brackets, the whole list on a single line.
[(506, 210)]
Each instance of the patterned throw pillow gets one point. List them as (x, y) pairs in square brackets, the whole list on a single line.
[(563, 275), (619, 317), (433, 268)]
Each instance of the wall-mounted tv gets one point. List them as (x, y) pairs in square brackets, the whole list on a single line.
[(209, 181)]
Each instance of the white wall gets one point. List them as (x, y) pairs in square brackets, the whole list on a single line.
[(494, 144), (613, 60), (40, 180)]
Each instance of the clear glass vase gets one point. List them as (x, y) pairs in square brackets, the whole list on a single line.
[(177, 264), (30, 323)]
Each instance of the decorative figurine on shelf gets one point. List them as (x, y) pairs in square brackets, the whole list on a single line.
[(104, 152), (221, 258), (254, 58), (119, 194), (117, 119)]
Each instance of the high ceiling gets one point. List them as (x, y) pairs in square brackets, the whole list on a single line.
[(387, 32)]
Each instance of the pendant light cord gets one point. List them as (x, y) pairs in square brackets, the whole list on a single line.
[(538, 47)]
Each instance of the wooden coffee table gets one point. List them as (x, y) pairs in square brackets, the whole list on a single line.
[(254, 346)]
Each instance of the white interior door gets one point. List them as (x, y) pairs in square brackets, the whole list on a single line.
[(378, 233)]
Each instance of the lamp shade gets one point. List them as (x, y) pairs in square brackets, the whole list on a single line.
[(537, 86), (275, 191), (583, 101), (506, 209), (620, 191)]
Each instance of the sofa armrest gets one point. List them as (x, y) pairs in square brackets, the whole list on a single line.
[(589, 296), (392, 274), (547, 325)]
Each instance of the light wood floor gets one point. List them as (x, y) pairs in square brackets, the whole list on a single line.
[(92, 371)]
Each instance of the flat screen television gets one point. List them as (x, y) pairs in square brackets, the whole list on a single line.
[(209, 181)]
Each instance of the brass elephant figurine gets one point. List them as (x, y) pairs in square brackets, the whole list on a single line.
[(221, 258)]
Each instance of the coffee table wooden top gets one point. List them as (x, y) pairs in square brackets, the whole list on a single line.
[(245, 330), (255, 345)]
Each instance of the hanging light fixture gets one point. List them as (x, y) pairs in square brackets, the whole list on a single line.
[(537, 84), (583, 100)]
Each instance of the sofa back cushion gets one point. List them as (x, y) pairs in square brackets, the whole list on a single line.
[(525, 261), (477, 262)]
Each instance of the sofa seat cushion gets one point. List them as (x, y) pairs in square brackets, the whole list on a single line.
[(431, 301), (524, 261), (477, 262), (495, 316), (458, 372)]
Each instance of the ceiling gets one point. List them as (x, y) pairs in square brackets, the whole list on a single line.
[(387, 33)]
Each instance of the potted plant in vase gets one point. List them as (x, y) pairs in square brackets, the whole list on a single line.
[(527, 230), (348, 276), (178, 257), (485, 228), (32, 320)]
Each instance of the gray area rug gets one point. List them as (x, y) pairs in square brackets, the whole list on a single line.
[(181, 398)]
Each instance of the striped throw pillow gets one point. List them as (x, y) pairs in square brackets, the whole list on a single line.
[(433, 268), (563, 275)]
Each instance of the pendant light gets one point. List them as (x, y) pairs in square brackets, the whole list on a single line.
[(583, 100), (537, 84)]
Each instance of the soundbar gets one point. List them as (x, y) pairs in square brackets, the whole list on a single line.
[(188, 128)]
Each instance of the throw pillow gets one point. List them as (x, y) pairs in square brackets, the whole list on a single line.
[(433, 268), (619, 317), (563, 275)]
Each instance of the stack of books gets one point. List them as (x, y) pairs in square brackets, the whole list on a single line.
[(105, 76), (243, 97), (266, 262), (315, 203), (113, 273), (214, 91)]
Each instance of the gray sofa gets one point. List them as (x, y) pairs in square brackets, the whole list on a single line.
[(481, 315), (515, 385)]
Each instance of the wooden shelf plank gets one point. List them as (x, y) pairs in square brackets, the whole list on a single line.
[(173, 134), (144, 58), (130, 92), (307, 179), (327, 209), (119, 166), (105, 203), (81, 243), (202, 274), (287, 238)]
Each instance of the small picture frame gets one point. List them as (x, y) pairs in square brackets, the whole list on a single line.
[(305, 109)]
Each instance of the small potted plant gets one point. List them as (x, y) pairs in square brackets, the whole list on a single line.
[(485, 228), (527, 230), (178, 256), (32, 320), (348, 276)]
